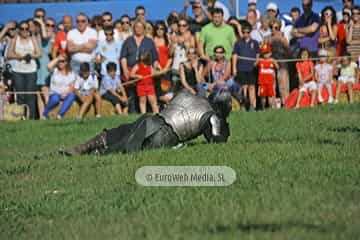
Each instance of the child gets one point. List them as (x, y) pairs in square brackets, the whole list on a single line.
[(348, 73), (305, 70), (113, 91), (243, 70), (324, 75), (145, 89), (86, 86), (266, 79)]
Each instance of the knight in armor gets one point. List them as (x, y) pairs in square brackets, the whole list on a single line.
[(186, 117)]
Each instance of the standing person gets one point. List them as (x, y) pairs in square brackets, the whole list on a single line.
[(348, 4), (328, 31), (324, 76), (108, 50), (216, 33), (145, 88), (107, 22), (132, 48), (113, 91), (305, 70), (140, 13), (191, 74), (353, 33), (61, 87), (85, 88), (348, 74), (280, 50), (306, 28), (162, 44), (266, 79), (343, 26), (60, 43), (200, 19), (243, 70), (81, 43), (252, 5), (43, 80), (124, 29), (25, 50), (264, 31)]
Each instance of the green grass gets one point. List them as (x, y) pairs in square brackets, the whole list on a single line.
[(298, 177)]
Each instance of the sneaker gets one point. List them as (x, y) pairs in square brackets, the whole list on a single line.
[(320, 99), (331, 100), (98, 116), (336, 101)]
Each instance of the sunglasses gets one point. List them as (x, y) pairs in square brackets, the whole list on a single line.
[(355, 13), (125, 22), (50, 25), (81, 21), (24, 28), (39, 16), (346, 13), (12, 29), (271, 10)]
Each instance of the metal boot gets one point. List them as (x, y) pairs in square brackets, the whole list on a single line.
[(96, 144)]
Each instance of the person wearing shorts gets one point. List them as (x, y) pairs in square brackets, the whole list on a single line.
[(305, 70), (348, 74), (244, 70), (113, 91)]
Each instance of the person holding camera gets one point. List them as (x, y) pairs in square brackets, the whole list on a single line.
[(24, 50)]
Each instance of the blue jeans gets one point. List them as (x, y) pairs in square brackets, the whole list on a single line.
[(54, 100)]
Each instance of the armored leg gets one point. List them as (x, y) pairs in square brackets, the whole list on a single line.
[(97, 144)]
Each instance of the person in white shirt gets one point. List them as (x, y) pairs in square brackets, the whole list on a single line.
[(86, 89), (324, 75), (81, 43), (61, 87)]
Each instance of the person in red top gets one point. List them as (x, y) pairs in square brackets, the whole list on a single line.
[(60, 43), (145, 88), (305, 70), (342, 28), (266, 79)]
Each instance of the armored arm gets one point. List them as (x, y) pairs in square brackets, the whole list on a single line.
[(216, 129)]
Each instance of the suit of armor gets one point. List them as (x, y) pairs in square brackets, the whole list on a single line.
[(185, 118)]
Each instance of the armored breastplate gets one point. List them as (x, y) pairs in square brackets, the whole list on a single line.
[(184, 114)]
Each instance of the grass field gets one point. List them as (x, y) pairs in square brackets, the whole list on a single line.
[(298, 177)]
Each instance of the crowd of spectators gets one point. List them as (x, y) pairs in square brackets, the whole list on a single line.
[(138, 65)]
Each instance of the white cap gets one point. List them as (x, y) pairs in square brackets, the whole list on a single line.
[(251, 2), (272, 6)]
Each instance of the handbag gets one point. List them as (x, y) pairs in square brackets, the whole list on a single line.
[(15, 112)]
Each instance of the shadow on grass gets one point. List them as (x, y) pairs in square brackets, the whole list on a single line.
[(267, 227)]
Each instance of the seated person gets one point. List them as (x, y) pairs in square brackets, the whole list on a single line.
[(86, 86), (61, 86), (113, 91)]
